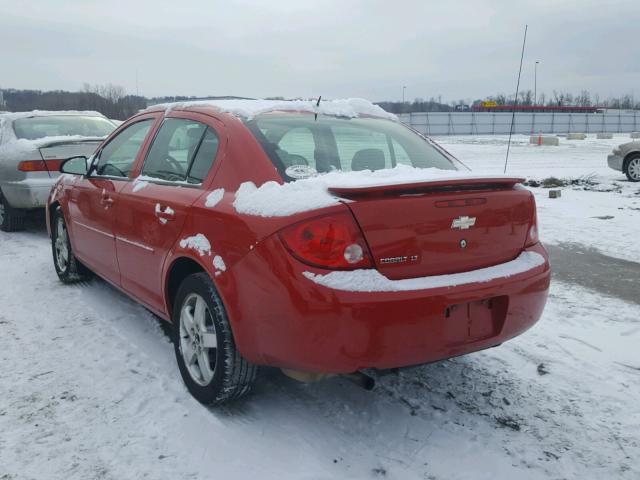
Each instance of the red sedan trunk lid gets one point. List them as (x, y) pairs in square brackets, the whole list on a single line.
[(443, 226)]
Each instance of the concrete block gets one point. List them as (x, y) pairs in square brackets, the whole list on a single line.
[(576, 136), (604, 135), (544, 140), (555, 193), (634, 134)]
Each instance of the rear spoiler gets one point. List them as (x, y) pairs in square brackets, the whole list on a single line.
[(52, 143), (437, 184)]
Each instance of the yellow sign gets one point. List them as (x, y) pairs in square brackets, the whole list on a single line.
[(489, 104)]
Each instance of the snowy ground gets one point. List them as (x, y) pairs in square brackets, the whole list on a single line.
[(89, 388)]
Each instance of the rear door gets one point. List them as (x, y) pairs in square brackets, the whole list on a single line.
[(154, 207), (93, 200)]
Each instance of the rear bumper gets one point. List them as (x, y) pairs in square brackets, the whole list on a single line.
[(283, 319), (615, 162), (28, 193)]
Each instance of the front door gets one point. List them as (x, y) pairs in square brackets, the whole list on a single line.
[(154, 208), (94, 199)]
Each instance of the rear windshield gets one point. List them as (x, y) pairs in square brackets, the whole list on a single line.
[(32, 128), (331, 143)]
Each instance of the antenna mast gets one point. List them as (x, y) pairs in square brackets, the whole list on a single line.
[(515, 103)]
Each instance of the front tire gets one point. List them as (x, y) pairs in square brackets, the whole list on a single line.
[(211, 367), (68, 268), (632, 168), (11, 219)]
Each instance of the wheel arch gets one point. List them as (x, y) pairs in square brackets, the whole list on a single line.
[(51, 210), (628, 157), (180, 268)]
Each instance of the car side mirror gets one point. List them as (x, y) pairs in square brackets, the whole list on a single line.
[(75, 165)]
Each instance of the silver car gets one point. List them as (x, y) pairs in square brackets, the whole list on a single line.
[(32, 147), (626, 158)]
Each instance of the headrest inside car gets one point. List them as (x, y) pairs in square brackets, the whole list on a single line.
[(194, 134), (368, 159)]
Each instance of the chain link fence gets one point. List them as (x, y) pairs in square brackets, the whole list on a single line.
[(499, 123)]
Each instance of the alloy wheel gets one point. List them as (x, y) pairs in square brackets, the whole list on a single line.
[(198, 339), (634, 168)]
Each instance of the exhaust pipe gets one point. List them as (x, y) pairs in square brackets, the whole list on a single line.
[(362, 380), (359, 378)]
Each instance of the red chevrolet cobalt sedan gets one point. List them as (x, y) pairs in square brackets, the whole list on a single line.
[(320, 238)]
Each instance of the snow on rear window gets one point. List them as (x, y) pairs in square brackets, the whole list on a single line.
[(33, 128), (273, 199)]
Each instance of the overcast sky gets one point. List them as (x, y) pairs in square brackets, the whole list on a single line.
[(334, 48)]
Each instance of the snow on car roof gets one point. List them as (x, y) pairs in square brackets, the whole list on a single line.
[(48, 113), (348, 107)]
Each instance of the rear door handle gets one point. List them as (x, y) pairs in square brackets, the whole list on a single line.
[(164, 213), (106, 201)]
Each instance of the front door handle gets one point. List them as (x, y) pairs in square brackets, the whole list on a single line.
[(164, 213)]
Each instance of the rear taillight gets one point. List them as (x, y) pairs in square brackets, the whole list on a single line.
[(32, 166), (532, 234), (40, 165), (332, 241)]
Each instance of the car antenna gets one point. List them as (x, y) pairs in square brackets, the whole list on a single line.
[(317, 105), (515, 103)]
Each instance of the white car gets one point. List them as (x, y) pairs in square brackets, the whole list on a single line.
[(32, 147), (626, 158)]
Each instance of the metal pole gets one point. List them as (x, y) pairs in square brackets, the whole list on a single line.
[(535, 83), (403, 89)]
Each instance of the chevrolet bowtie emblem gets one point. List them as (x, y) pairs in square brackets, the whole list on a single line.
[(463, 223)]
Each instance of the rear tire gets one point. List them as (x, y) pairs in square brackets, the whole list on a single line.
[(11, 219), (632, 168), (211, 367), (68, 268)]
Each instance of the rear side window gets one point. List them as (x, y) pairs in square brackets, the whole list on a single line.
[(117, 157), (204, 157), (182, 151)]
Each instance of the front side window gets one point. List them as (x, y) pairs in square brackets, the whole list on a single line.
[(182, 151), (329, 143), (117, 157), (32, 128)]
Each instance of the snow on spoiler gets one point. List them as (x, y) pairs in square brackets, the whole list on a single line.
[(435, 184), (53, 141), (274, 199)]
